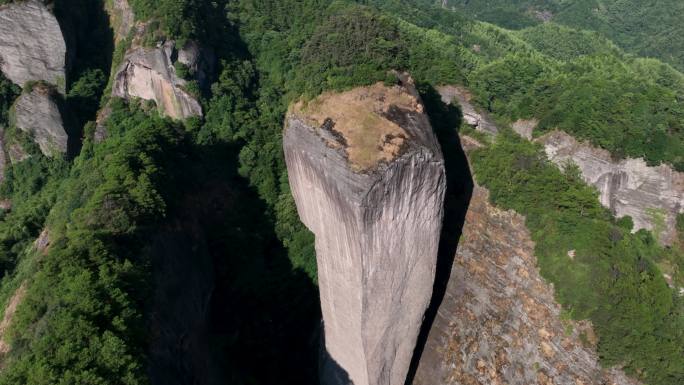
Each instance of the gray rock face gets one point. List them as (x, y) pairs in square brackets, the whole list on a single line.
[(499, 323), (471, 116), (121, 17), (377, 228), (148, 73), (32, 46), (652, 196), (38, 114)]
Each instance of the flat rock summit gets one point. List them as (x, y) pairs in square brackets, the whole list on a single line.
[(367, 175)]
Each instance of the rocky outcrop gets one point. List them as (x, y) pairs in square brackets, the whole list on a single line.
[(652, 196), (525, 127), (37, 113), (367, 175), (499, 322), (121, 17), (471, 115), (32, 46), (149, 74)]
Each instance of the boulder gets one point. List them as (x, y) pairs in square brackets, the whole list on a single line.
[(652, 196), (367, 175), (32, 46), (37, 113), (149, 74)]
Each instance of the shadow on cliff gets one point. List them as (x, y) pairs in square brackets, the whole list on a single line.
[(89, 41), (445, 120), (228, 306)]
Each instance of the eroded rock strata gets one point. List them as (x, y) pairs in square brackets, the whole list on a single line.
[(32, 46), (499, 322), (367, 174), (652, 196)]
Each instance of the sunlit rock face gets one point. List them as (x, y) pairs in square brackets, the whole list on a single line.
[(149, 74), (652, 196), (37, 113), (471, 115), (367, 175), (32, 46), (499, 323)]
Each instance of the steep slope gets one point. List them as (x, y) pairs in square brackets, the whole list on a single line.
[(499, 322), (368, 178)]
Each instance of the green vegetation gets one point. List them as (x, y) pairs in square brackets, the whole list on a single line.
[(651, 29), (84, 317), (613, 279)]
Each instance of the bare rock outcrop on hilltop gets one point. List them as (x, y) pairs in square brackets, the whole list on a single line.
[(499, 322), (32, 46), (37, 113), (471, 115), (367, 174), (149, 74), (652, 196)]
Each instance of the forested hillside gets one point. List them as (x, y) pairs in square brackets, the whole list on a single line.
[(652, 29), (85, 316)]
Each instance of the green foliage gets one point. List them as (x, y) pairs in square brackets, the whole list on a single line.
[(612, 280), (8, 92), (89, 288), (563, 43)]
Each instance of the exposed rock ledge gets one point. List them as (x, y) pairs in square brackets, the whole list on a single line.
[(471, 116), (149, 73), (32, 46), (37, 113), (499, 323), (367, 174), (652, 196)]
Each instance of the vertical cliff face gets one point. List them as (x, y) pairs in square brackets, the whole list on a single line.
[(499, 322), (652, 196), (32, 46), (149, 73), (367, 175), (37, 113)]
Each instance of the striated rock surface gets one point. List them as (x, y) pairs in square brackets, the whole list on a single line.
[(37, 113), (32, 46), (471, 116), (499, 323), (149, 73), (652, 196), (367, 174)]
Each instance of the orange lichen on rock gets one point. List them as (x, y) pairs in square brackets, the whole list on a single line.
[(362, 118)]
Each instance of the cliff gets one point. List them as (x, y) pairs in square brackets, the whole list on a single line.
[(367, 175), (37, 112), (471, 115), (652, 196), (150, 74), (499, 322), (32, 46)]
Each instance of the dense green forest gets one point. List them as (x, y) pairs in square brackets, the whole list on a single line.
[(648, 29), (84, 316)]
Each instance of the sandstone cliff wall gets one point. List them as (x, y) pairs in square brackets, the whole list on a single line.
[(652, 196), (37, 112), (377, 219)]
